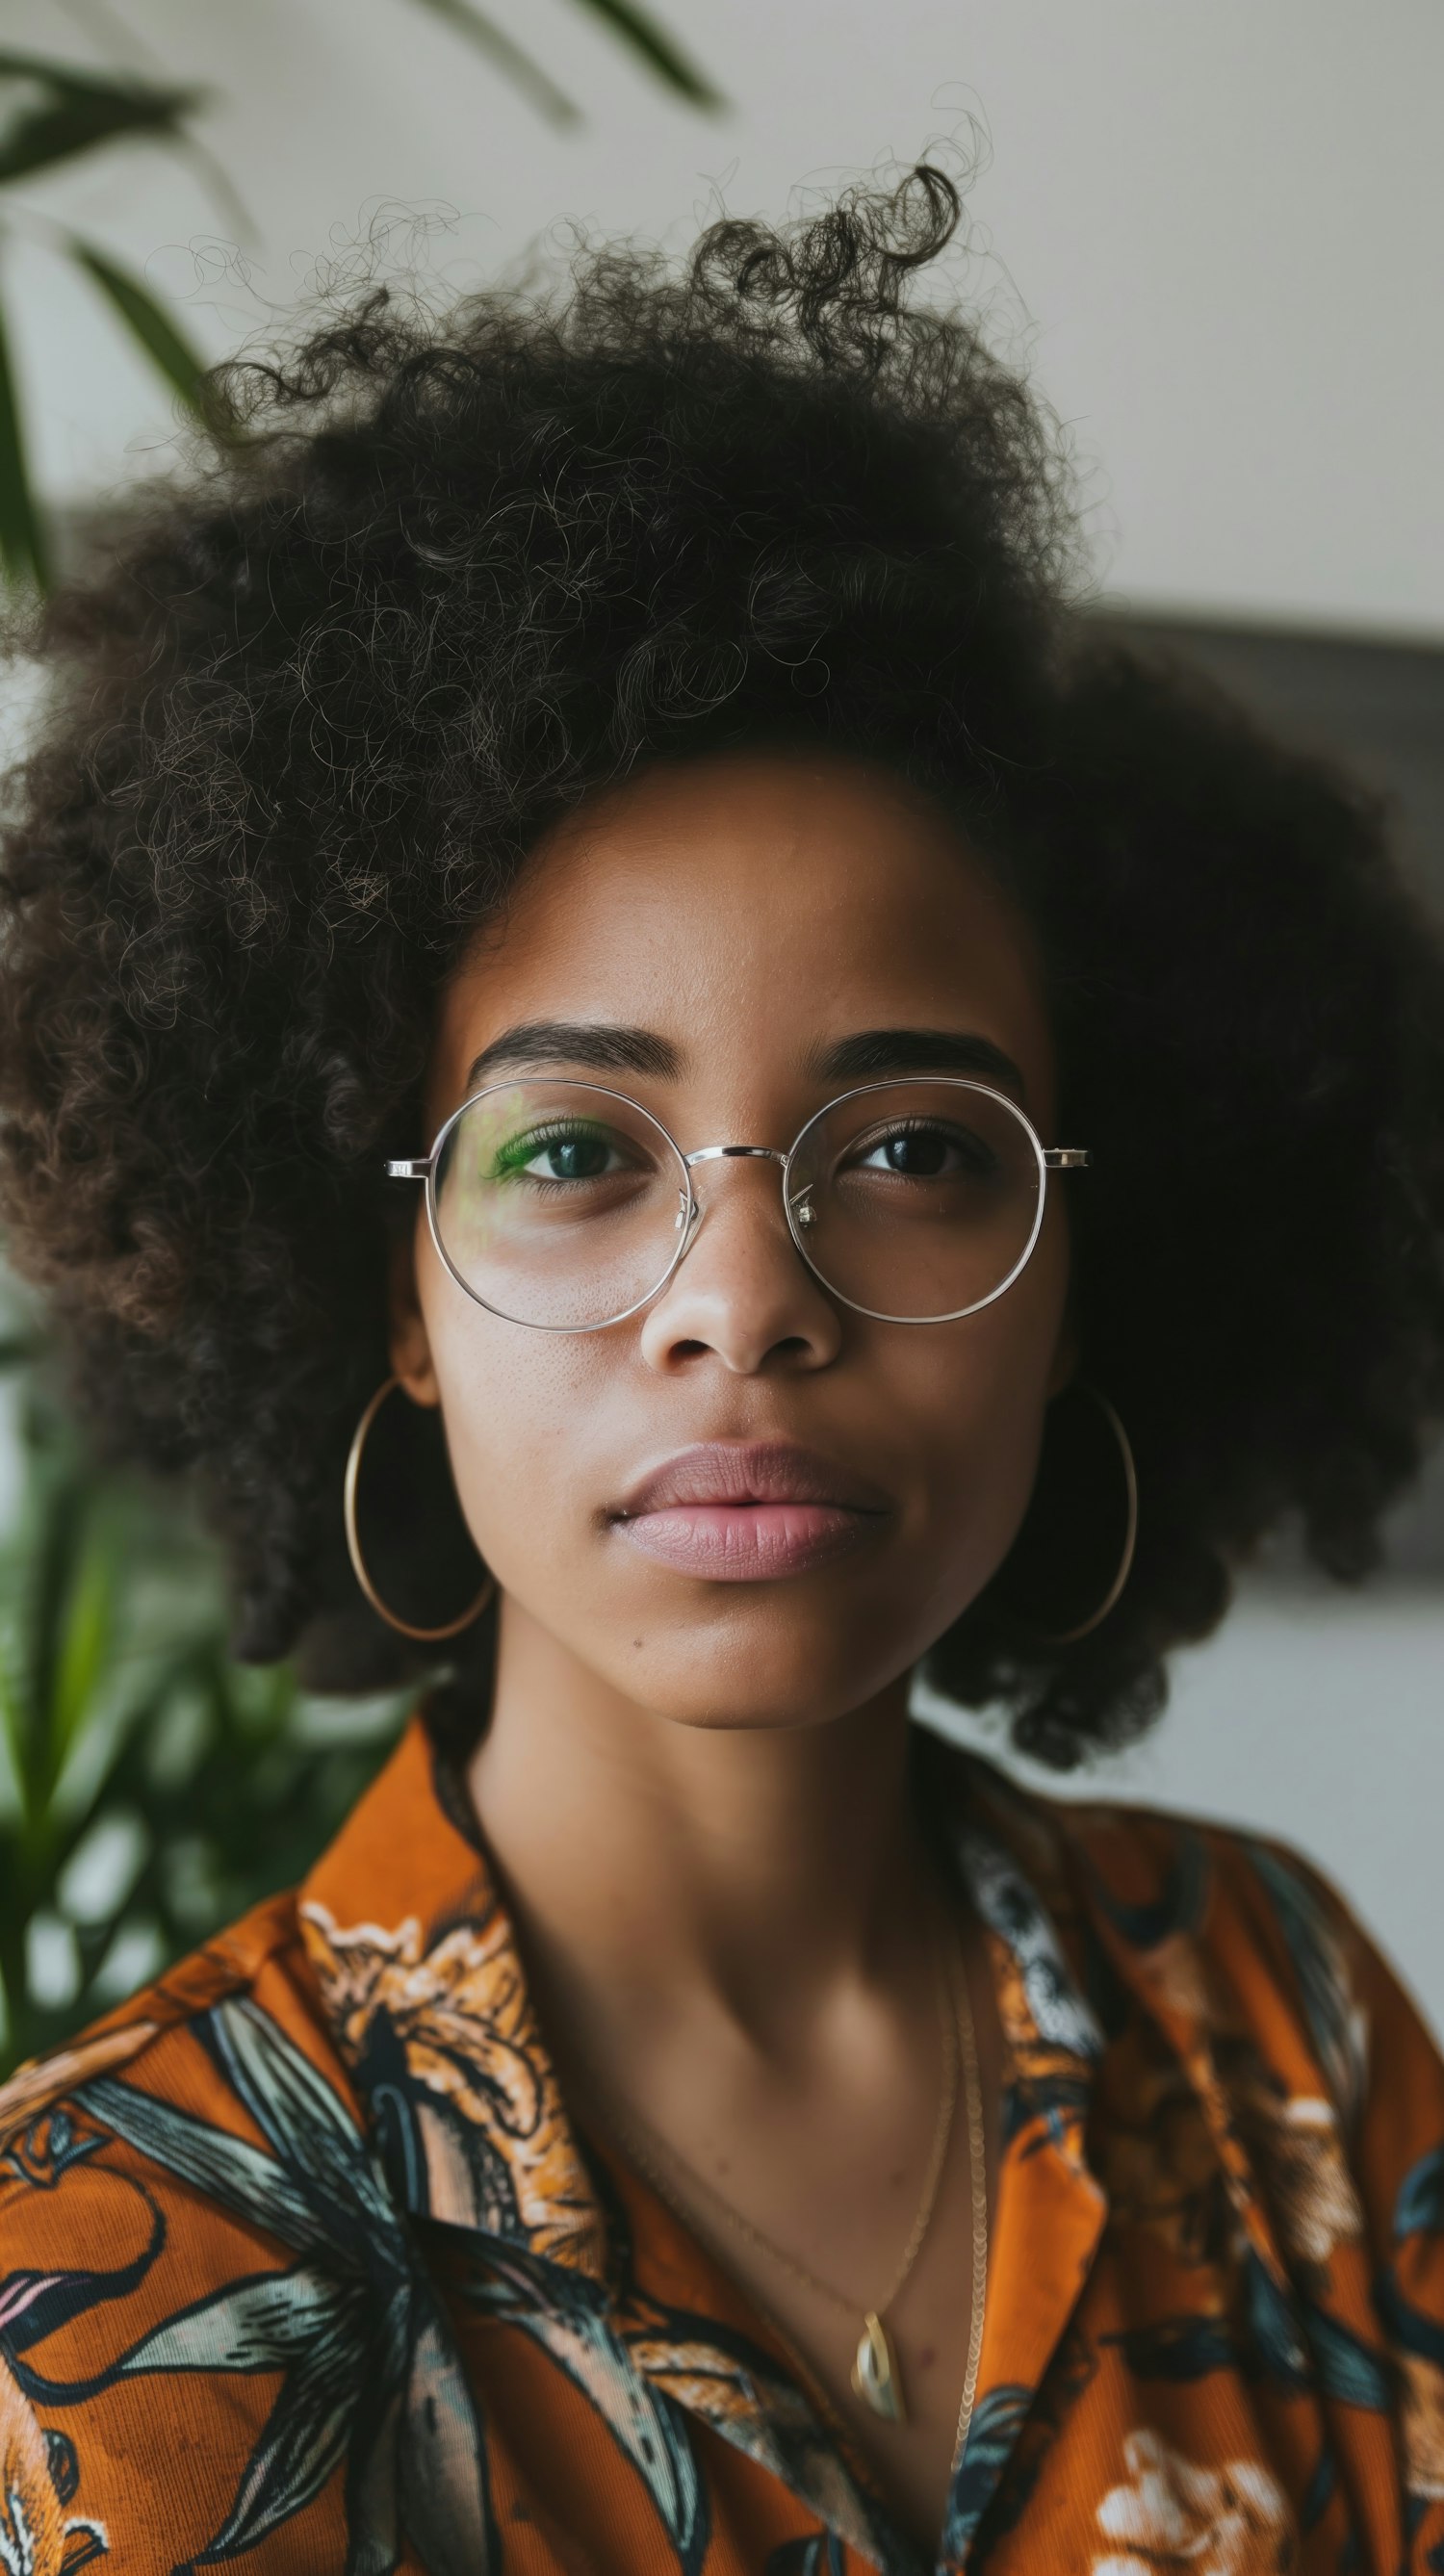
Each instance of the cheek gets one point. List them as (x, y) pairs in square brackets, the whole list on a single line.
[(974, 1398), (512, 1403)]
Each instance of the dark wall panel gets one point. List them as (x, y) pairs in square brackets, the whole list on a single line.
[(1377, 710)]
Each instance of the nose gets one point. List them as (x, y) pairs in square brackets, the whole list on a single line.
[(741, 1292)]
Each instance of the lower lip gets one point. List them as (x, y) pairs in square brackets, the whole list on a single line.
[(748, 1542)]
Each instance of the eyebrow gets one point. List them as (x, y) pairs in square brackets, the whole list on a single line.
[(868, 1055), (871, 1055), (603, 1046)]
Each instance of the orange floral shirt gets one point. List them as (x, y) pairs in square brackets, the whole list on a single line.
[(302, 2265)]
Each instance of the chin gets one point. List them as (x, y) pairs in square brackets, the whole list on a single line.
[(728, 1690)]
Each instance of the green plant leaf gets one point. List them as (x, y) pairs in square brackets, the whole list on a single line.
[(55, 1537), (147, 322), (54, 111), (509, 57), (23, 553), (84, 1643), (661, 54), (12, 1737)]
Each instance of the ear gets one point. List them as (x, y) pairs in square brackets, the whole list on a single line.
[(410, 1346)]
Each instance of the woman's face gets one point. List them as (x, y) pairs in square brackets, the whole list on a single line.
[(747, 918)]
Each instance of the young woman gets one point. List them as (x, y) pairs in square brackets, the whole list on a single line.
[(683, 1100)]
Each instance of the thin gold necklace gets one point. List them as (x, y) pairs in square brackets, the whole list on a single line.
[(876, 2377)]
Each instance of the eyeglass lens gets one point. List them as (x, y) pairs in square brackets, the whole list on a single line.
[(564, 1205)]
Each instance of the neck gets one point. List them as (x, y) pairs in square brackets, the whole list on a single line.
[(743, 1872)]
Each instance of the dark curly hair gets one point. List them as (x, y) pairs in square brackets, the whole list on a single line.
[(438, 577)]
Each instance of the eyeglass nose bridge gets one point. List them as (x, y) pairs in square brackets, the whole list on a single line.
[(689, 1214), (734, 1153)]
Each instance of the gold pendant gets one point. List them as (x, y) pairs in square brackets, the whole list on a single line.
[(875, 2374)]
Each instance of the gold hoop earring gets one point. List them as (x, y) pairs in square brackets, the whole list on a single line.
[(425, 1636), (1041, 1544), (1095, 1619)]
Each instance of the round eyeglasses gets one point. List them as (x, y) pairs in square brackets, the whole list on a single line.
[(568, 1207)]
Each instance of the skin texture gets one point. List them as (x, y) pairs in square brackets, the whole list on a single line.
[(695, 1790)]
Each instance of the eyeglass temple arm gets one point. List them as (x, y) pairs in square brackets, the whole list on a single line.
[(409, 1171), (1058, 1158)]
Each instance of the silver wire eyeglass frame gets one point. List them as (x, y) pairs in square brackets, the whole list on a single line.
[(1049, 1158)]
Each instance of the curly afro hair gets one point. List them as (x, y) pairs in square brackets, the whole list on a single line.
[(438, 576)]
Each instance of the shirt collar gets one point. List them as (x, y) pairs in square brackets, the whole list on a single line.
[(422, 1985)]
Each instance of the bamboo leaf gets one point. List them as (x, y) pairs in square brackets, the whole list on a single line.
[(509, 58), (147, 322), (55, 112), (658, 50), (22, 536)]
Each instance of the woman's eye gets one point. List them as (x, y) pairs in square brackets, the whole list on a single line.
[(580, 1156), (930, 1153)]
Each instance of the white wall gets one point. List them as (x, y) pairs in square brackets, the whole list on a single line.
[(1216, 226)]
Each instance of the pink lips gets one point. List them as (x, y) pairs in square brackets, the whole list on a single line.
[(749, 1513)]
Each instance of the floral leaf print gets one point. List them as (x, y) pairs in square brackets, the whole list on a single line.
[(1308, 2350), (302, 2325), (257, 2324), (1054, 2042), (1271, 2328), (1178, 2348), (1298, 2344), (36, 2301), (1172, 2518), (311, 2428), (1336, 2021), (1416, 2340), (302, 2115), (567, 2316), (1010, 1906), (998, 2419), (367, 2374), (1417, 2344), (1419, 2202), (733, 2385), (1348, 2369), (243, 2178), (818, 2555), (443, 2041), (1030, 2442), (1178, 1909), (41, 2154), (1319, 2494), (1295, 2142), (36, 2539), (642, 2354), (440, 2464), (1158, 2162), (36, 2304), (1421, 2413)]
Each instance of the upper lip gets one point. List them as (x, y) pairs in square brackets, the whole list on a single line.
[(751, 1471)]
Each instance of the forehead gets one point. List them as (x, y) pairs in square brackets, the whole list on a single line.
[(761, 906)]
